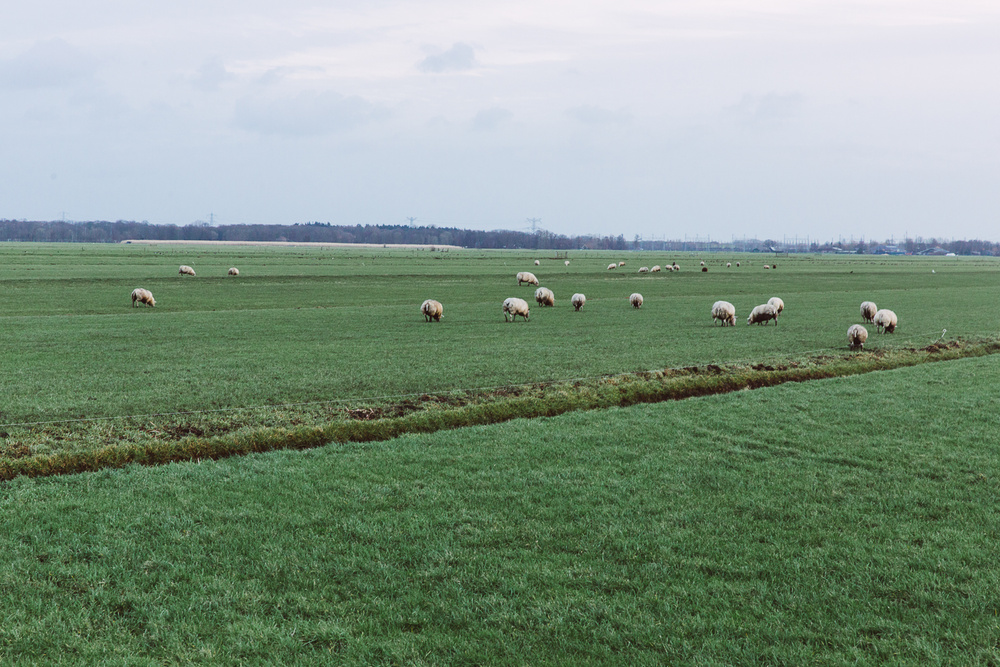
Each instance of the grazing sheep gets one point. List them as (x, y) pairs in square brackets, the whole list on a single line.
[(578, 300), (655, 269), (856, 337), (234, 271), (702, 264), (704, 269), (762, 314), (513, 307), (432, 310), (643, 269), (185, 270), (729, 265), (621, 263), (676, 268), (545, 297), (737, 265), (566, 262), (868, 310), (774, 265), (538, 262), (725, 312), (767, 266), (526, 277), (778, 304), (143, 296), (612, 266), (885, 321), (636, 300)]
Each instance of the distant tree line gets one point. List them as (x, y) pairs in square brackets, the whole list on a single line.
[(311, 232), (323, 232)]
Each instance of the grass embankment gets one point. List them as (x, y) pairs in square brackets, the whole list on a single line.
[(845, 521), (90, 447)]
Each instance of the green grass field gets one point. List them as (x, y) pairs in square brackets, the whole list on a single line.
[(843, 521), (316, 325), (848, 520)]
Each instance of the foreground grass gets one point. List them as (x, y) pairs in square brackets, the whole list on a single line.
[(851, 520)]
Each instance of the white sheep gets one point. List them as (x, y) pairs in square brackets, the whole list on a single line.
[(621, 263), (885, 321), (725, 312), (778, 304), (767, 266), (545, 297), (234, 271), (737, 265), (643, 269), (703, 264), (636, 300), (655, 269), (538, 262), (432, 310), (611, 267), (526, 277), (868, 310), (578, 300), (566, 262), (676, 268), (856, 337), (513, 307), (729, 265), (185, 270), (762, 314), (143, 296)]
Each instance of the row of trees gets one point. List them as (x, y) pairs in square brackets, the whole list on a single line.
[(319, 232), (313, 232)]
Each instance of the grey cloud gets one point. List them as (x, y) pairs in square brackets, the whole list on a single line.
[(488, 119), (308, 113), (212, 74), (459, 57), (768, 109), (592, 115), (52, 63)]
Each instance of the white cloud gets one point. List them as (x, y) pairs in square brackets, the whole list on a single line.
[(768, 109), (489, 119), (212, 74), (307, 113), (594, 115), (50, 63), (458, 58)]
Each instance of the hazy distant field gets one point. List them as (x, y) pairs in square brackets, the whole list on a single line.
[(319, 324)]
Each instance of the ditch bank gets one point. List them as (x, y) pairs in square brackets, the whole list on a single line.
[(429, 413)]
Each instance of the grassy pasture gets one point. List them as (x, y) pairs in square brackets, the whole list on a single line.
[(304, 325), (843, 521)]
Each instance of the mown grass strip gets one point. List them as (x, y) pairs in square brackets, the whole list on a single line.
[(545, 401)]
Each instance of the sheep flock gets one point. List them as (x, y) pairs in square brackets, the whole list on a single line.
[(723, 312)]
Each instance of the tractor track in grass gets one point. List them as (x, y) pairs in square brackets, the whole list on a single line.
[(134, 441)]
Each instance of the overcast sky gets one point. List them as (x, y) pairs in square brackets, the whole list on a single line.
[(716, 118)]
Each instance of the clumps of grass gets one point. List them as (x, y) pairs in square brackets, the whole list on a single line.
[(70, 448)]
